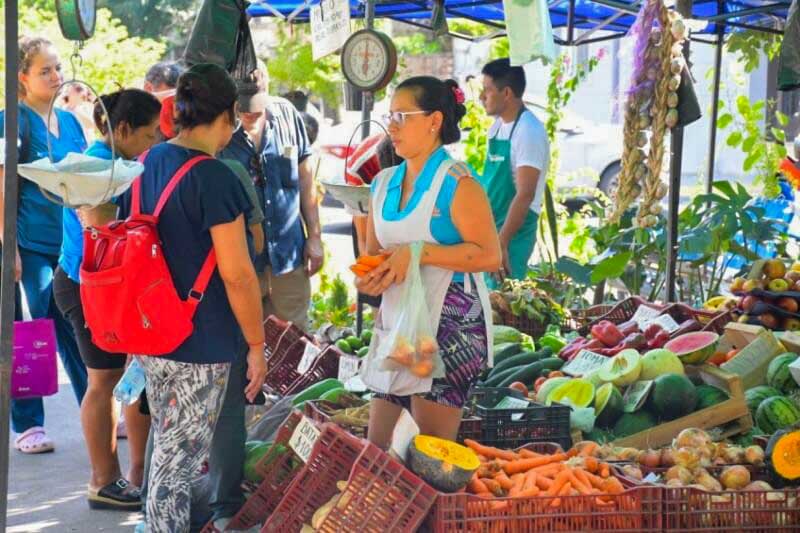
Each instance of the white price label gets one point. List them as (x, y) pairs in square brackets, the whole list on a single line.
[(666, 322), (644, 315), (303, 439), (509, 402), (309, 356), (348, 367), (636, 395), (584, 363), (404, 432)]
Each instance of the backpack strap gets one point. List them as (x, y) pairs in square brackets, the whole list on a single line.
[(176, 179), (202, 281)]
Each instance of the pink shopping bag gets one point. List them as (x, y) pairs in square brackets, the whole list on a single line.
[(34, 372)]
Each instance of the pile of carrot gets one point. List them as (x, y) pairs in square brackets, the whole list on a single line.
[(365, 263), (525, 473)]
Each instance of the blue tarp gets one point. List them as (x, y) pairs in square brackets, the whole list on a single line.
[(588, 14)]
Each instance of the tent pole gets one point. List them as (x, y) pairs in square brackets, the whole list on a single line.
[(712, 136), (7, 284), (571, 23), (684, 7), (366, 97)]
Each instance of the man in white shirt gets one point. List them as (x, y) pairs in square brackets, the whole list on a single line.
[(517, 158)]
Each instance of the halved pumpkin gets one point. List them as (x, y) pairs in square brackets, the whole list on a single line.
[(443, 464), (783, 456)]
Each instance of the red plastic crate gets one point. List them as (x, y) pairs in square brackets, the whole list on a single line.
[(381, 494), (325, 366), (630, 511), (276, 478), (278, 345), (314, 412), (282, 366), (274, 327)]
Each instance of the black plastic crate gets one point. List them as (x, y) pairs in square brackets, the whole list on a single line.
[(489, 397), (470, 428), (511, 428)]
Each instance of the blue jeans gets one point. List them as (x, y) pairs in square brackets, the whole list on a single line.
[(37, 280), (226, 459)]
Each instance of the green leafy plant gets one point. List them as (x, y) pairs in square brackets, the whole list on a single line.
[(763, 154), (476, 123), (750, 46), (416, 44), (331, 303)]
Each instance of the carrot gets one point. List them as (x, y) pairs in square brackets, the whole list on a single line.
[(476, 486), (596, 481), (489, 451), (586, 448), (544, 483), (580, 486), (528, 493), (499, 506), (591, 464), (603, 503), (516, 485), (612, 485), (605, 471), (528, 454), (493, 486), (530, 480), (565, 490), (358, 270), (485, 495), (371, 260), (523, 465), (504, 481), (548, 470), (558, 483)]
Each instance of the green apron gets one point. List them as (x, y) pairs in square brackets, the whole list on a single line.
[(498, 182)]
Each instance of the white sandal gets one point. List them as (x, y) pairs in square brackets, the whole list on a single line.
[(34, 441)]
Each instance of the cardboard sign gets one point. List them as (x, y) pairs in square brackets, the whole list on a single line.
[(309, 356), (404, 432), (330, 26), (303, 439), (348, 367), (584, 363), (666, 322), (636, 395), (644, 315)]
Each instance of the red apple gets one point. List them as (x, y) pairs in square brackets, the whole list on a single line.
[(788, 304), (769, 321)]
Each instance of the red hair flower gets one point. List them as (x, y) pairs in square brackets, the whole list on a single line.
[(459, 94)]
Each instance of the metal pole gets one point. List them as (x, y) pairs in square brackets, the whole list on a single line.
[(7, 284), (684, 7), (571, 22), (712, 136), (366, 97)]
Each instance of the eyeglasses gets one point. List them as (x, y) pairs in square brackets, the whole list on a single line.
[(399, 117)]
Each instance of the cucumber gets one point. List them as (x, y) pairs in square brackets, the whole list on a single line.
[(315, 391), (527, 373), (506, 350), (523, 358), (494, 379), (333, 395)]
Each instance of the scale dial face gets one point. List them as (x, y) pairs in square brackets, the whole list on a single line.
[(369, 60), (76, 18)]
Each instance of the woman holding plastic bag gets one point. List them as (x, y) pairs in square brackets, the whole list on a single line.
[(431, 221)]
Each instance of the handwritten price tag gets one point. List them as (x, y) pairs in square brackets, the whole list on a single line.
[(584, 363), (348, 367), (666, 322), (644, 315), (509, 402), (303, 439), (309, 356)]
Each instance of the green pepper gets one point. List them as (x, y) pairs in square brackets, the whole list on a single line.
[(553, 342)]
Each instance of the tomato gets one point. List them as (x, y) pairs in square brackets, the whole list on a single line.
[(718, 358), (730, 355), (519, 386), (538, 383)]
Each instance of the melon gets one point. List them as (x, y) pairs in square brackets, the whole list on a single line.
[(548, 387), (708, 396), (672, 396), (694, 348), (632, 423), (607, 405), (754, 396), (443, 464), (777, 413), (778, 374), (622, 369), (658, 362), (575, 393)]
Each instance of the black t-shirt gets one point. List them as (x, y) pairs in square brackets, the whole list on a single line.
[(208, 195)]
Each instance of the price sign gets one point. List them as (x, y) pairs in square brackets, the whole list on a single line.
[(666, 322), (303, 439), (636, 395), (348, 367), (330, 26), (644, 315), (584, 363), (509, 402), (404, 432), (309, 356)]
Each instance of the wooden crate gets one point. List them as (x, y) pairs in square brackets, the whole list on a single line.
[(732, 413), (758, 345)]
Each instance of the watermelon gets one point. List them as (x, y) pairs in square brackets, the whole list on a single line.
[(607, 405), (693, 348), (575, 393), (778, 374), (708, 396), (632, 423), (672, 396), (777, 413), (660, 361), (758, 394)]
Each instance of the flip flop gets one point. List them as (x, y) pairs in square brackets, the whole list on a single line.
[(34, 441)]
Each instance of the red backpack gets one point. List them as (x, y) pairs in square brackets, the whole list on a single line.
[(129, 300)]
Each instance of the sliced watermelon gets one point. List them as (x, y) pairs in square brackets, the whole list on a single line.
[(622, 369), (694, 348), (607, 405), (575, 393)]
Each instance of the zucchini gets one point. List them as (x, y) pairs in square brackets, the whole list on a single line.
[(494, 379), (523, 358), (315, 391), (528, 373), (505, 350)]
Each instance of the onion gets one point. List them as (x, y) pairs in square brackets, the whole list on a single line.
[(707, 480), (772, 495), (692, 438), (628, 454), (674, 483), (667, 457), (734, 455), (687, 458), (680, 473), (735, 477), (754, 455), (650, 458), (633, 472)]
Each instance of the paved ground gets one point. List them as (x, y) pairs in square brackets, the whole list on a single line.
[(47, 492)]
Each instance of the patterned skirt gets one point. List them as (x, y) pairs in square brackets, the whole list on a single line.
[(463, 346)]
